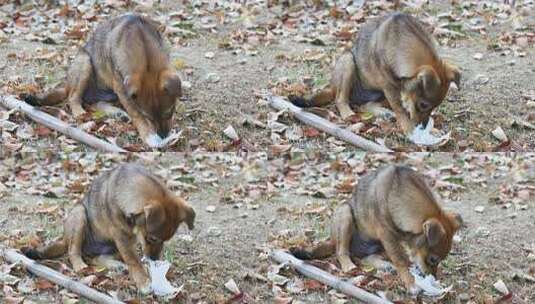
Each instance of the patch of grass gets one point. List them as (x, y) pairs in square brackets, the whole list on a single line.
[(184, 25), (180, 109), (169, 252), (432, 10), (312, 70), (51, 76), (321, 80), (52, 229), (321, 229)]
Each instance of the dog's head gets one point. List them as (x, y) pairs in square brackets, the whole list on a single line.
[(158, 223), (422, 92), (155, 98), (434, 244)]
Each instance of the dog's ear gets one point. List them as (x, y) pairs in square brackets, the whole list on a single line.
[(189, 217), (185, 212), (453, 74), (455, 219), (434, 231), (428, 79)]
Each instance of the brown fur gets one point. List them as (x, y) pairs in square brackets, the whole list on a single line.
[(122, 208), (391, 209), (124, 60), (394, 58)]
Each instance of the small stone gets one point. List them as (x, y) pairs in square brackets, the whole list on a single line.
[(232, 286), (253, 206), (481, 79), (463, 297), (212, 77), (522, 41), (482, 232), (186, 238), (231, 133), (210, 209), (209, 55), (479, 209), (523, 195), (186, 84), (478, 56), (501, 287), (214, 231), (499, 134)]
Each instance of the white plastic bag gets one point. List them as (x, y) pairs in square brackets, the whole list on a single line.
[(422, 135), (159, 285), (429, 284)]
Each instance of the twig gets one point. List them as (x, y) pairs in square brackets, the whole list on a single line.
[(13, 256), (326, 126), (326, 278), (52, 122)]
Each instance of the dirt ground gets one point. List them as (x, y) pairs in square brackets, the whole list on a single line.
[(262, 204), (228, 53), (277, 185)]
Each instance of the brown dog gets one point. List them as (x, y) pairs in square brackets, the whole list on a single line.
[(122, 208), (390, 209), (395, 58), (124, 60)]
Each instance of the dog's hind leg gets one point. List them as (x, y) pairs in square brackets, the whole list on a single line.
[(342, 231), (345, 77), (78, 78), (75, 226)]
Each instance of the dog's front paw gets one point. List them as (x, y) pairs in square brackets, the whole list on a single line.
[(346, 114), (407, 126), (77, 110), (79, 266), (143, 284)]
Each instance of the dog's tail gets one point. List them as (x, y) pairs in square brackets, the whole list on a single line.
[(54, 97), (51, 251), (319, 251), (322, 98)]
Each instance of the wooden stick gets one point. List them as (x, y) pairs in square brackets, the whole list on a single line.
[(324, 125), (13, 256), (326, 278), (52, 122)]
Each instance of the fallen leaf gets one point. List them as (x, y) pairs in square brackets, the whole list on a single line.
[(44, 284)]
